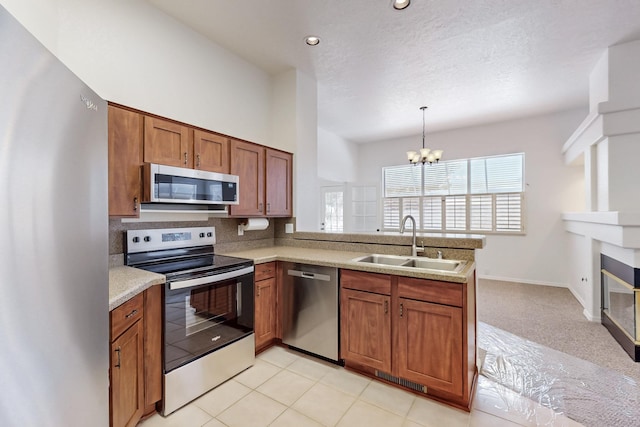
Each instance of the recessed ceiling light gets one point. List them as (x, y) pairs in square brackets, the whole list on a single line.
[(312, 40), (401, 4)]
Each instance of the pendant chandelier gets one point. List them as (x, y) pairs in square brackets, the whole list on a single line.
[(425, 155)]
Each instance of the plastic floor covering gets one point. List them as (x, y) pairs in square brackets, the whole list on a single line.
[(571, 387)]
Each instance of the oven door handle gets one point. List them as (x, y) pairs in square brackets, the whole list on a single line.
[(214, 278)]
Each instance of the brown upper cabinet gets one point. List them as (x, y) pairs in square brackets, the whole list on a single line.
[(265, 180), (167, 143), (173, 144), (247, 161), (278, 185), (211, 152), (136, 138), (125, 158)]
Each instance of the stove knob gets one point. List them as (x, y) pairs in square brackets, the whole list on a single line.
[(209, 234), (136, 239), (147, 238), (201, 235)]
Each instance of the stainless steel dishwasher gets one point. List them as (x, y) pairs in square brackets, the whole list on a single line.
[(310, 309)]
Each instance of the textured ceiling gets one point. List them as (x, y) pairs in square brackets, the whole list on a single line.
[(471, 62)]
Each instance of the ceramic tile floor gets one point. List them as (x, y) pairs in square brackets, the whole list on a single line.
[(285, 388)]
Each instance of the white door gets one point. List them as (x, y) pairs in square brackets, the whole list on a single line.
[(332, 207)]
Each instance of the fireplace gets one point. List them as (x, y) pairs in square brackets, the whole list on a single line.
[(621, 303)]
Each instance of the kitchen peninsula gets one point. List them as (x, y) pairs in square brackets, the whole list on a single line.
[(411, 327)]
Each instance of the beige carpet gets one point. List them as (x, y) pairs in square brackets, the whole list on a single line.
[(552, 317)]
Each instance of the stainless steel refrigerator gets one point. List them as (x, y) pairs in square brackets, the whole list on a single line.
[(54, 279)]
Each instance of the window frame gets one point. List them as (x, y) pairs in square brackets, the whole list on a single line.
[(497, 201)]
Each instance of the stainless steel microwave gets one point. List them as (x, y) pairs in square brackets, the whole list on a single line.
[(169, 184)]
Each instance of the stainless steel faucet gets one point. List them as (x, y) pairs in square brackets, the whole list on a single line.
[(414, 248), (439, 254)]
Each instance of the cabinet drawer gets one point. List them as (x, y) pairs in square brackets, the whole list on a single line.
[(127, 314), (368, 282), (430, 290), (265, 271)]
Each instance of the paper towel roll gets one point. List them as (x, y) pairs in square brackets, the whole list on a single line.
[(256, 224)]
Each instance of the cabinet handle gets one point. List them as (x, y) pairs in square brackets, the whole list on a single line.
[(258, 290), (401, 309), (118, 360), (198, 160), (260, 207), (135, 204), (133, 313), (386, 306), (268, 207), (185, 157)]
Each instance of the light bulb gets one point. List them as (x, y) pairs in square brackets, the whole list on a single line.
[(437, 154), (410, 155)]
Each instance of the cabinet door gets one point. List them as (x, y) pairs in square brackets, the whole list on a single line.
[(211, 152), (152, 347), (127, 383), (278, 186), (265, 311), (365, 334), (247, 161), (167, 143), (125, 159), (430, 345)]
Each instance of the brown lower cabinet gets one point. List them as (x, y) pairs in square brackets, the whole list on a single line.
[(135, 359), (265, 294), (399, 328)]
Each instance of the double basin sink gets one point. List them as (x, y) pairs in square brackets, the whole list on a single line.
[(413, 262)]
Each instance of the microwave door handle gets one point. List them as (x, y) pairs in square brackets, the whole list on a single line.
[(210, 279)]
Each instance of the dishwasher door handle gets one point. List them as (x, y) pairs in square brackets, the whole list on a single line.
[(307, 275)]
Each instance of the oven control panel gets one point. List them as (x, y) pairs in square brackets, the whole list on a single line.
[(168, 238)]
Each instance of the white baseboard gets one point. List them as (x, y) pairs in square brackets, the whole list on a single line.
[(591, 317), (525, 281)]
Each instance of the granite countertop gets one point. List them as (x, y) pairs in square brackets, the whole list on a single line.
[(342, 259), (127, 282)]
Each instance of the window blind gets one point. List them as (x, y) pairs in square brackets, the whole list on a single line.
[(499, 174), (432, 213), (402, 181), (456, 212), (391, 214), (481, 212), (509, 212), (411, 206)]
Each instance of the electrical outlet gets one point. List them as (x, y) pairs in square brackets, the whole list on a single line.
[(240, 230), (288, 228)]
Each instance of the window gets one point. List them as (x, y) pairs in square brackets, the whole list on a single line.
[(484, 194), (332, 204)]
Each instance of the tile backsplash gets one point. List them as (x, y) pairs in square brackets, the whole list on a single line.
[(227, 238)]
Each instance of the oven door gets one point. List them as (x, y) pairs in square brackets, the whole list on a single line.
[(203, 314)]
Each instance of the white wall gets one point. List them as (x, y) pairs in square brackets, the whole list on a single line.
[(131, 53), (337, 158), (306, 187), (540, 255)]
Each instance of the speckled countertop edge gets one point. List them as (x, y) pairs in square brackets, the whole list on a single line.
[(127, 282), (441, 240), (342, 259)]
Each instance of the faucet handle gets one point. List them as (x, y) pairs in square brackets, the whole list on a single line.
[(439, 254)]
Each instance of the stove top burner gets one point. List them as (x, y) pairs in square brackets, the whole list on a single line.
[(183, 252)]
